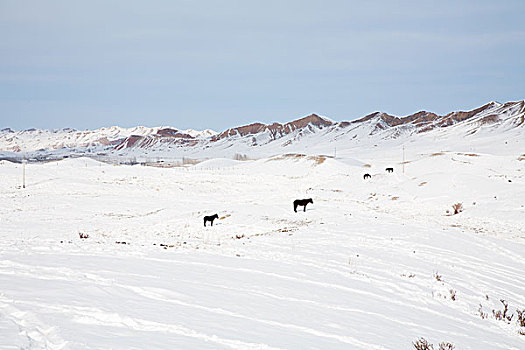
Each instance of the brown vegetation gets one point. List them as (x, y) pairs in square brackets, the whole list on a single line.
[(423, 344), (458, 208)]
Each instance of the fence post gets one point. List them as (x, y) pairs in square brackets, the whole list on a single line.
[(24, 173)]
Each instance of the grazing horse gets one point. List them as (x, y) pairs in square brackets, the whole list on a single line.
[(302, 202), (210, 218), (367, 176), (389, 170)]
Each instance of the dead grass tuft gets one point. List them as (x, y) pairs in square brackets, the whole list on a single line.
[(468, 154), (318, 159), (506, 316), (458, 208), (423, 344), (503, 315)]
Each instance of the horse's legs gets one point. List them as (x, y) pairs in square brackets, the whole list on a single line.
[(295, 207), (304, 207)]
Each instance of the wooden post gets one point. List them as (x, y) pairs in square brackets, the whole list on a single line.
[(24, 173)]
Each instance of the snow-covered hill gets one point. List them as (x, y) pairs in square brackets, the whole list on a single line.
[(373, 264), (474, 130)]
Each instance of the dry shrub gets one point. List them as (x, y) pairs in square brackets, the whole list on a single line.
[(505, 316), (502, 315), (395, 198), (423, 183), (482, 314), (293, 155), (458, 208), (437, 154), (318, 159), (288, 156), (367, 166), (521, 317), (423, 344)]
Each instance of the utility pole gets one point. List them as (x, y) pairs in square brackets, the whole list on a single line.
[(24, 173), (403, 159)]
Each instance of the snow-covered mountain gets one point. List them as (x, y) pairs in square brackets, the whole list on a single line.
[(46, 140), (310, 134)]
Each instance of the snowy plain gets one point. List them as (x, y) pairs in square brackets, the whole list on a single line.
[(371, 264)]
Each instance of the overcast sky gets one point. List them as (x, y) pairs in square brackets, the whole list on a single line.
[(218, 64)]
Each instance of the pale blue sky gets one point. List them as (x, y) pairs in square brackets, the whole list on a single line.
[(217, 64)]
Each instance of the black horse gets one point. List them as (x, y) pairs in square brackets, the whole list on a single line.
[(210, 218), (302, 202), (389, 170), (367, 176)]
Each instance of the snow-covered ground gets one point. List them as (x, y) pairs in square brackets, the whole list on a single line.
[(372, 264)]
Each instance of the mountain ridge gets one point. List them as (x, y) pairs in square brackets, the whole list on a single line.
[(302, 132)]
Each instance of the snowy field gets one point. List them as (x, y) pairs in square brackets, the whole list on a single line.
[(372, 264)]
